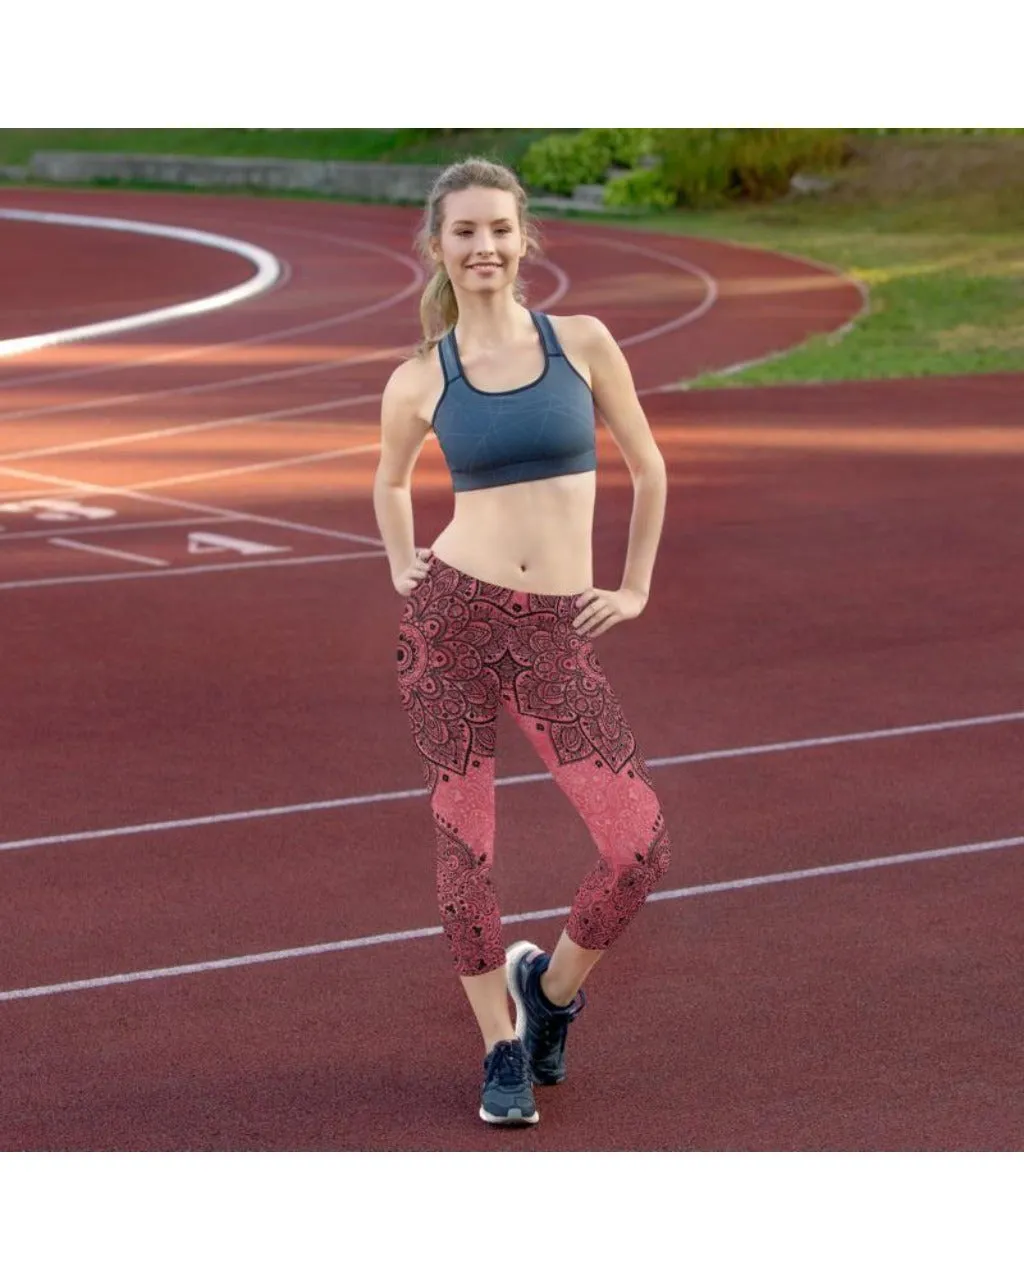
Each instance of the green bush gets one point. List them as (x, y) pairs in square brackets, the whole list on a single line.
[(765, 160), (706, 167), (696, 164), (699, 167), (639, 189), (563, 161), (626, 147)]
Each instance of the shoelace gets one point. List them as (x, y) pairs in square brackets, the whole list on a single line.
[(508, 1064)]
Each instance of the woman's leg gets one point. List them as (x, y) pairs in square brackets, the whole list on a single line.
[(488, 998), (562, 701), (567, 970), (449, 643)]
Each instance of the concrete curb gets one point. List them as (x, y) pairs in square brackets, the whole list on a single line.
[(365, 180), (370, 181)]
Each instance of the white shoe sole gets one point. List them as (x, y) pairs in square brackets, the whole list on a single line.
[(509, 1120)]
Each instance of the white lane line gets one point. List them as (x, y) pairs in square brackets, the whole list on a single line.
[(834, 334), (657, 255), (78, 486), (105, 551), (45, 412), (184, 353), (208, 424), (116, 527), (673, 260), (291, 460), (268, 270), (29, 584), (386, 797), (871, 735), (432, 931), (562, 284)]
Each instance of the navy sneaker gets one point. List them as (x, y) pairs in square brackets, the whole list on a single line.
[(540, 1025), (507, 1095)]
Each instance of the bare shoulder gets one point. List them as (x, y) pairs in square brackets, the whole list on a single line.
[(410, 380), (586, 336), (589, 344)]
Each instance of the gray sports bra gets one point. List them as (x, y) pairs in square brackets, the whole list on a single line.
[(491, 438)]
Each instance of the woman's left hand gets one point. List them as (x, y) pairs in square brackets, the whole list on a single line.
[(603, 609)]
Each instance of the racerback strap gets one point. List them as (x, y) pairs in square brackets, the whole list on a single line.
[(551, 343), (449, 360)]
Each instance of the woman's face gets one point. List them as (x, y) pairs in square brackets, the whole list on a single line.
[(481, 243)]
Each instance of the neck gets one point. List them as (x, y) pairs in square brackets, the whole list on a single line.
[(489, 320)]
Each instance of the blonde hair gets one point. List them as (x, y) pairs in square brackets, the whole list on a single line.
[(439, 310)]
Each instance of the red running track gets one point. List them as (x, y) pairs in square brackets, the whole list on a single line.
[(204, 759), (64, 276)]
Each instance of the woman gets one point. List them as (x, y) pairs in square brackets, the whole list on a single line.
[(501, 611)]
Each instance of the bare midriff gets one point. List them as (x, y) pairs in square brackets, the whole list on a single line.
[(535, 536)]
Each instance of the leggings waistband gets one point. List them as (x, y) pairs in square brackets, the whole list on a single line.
[(458, 582)]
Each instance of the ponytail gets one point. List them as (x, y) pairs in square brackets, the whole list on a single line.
[(439, 310)]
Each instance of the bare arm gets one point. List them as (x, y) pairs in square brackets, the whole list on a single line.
[(617, 402), (402, 436)]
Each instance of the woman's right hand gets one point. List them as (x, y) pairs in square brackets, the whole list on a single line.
[(410, 578)]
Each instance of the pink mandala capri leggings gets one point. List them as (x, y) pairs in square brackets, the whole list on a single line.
[(466, 649)]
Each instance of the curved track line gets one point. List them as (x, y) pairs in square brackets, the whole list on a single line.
[(688, 317), (802, 260), (268, 272), (229, 383), (562, 286), (183, 353)]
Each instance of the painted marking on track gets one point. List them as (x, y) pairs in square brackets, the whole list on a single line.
[(204, 544), (432, 931), (81, 486), (387, 797), (58, 510), (134, 527), (105, 551)]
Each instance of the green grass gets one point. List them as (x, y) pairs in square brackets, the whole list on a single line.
[(946, 283), (399, 146), (931, 224)]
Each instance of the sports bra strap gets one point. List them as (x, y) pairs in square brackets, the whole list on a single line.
[(551, 343), (449, 360)]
